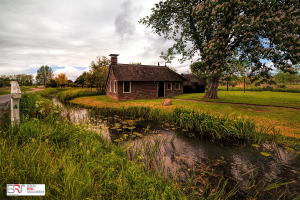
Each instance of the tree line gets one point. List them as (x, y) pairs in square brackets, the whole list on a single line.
[(23, 79)]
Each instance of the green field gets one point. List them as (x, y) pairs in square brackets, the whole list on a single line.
[(265, 98)]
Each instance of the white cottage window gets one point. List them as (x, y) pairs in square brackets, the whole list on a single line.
[(177, 86), (115, 88)]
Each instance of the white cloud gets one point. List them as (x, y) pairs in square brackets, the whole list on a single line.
[(71, 72), (71, 33)]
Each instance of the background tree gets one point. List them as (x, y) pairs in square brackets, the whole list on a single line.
[(44, 74), (98, 72), (89, 80), (214, 29), (61, 79), (53, 83), (135, 63), (172, 68), (80, 79), (287, 78)]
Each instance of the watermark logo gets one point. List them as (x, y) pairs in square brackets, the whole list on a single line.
[(25, 189)]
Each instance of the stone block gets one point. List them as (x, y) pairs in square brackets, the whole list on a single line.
[(167, 102)]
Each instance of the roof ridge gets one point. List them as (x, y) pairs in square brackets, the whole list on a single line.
[(141, 65)]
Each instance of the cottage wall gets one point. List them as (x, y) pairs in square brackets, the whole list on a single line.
[(139, 90), (172, 92), (111, 94)]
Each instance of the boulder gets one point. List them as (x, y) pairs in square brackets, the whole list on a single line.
[(166, 102)]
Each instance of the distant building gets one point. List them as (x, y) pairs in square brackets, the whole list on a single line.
[(128, 81), (68, 85), (194, 84)]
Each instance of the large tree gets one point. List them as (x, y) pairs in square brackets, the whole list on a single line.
[(215, 29), (44, 74), (98, 72)]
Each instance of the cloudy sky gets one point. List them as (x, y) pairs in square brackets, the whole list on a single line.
[(68, 34)]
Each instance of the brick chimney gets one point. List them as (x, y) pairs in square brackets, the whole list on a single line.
[(114, 59)]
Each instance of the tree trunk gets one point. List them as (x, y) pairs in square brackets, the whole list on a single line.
[(212, 90), (227, 85), (244, 84)]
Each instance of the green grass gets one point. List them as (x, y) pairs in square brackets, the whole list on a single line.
[(288, 88), (266, 98), (75, 163), (77, 92)]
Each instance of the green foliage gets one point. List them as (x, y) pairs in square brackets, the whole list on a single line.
[(98, 73), (5, 122), (53, 83), (22, 79), (44, 73), (33, 106), (287, 78), (81, 78), (135, 63), (220, 29)]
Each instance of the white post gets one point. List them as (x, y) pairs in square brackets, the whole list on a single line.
[(15, 102)]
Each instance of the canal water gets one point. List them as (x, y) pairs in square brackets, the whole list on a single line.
[(178, 153)]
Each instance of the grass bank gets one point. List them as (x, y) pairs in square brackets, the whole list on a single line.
[(77, 92), (283, 119), (194, 116)]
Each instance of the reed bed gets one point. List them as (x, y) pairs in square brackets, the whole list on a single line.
[(223, 129)]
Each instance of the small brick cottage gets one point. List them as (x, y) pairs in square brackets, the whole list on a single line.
[(127, 81)]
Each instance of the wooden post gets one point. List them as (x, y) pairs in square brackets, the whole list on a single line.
[(15, 102), (244, 83)]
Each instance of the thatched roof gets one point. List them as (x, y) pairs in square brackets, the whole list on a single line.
[(192, 78), (128, 72)]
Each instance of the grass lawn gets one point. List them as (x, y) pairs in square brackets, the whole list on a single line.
[(285, 119), (266, 98)]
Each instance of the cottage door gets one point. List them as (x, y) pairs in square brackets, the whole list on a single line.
[(161, 88)]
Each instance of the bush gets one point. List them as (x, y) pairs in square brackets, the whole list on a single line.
[(281, 86), (268, 88)]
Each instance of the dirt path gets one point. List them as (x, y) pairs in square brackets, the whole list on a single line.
[(243, 104)]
